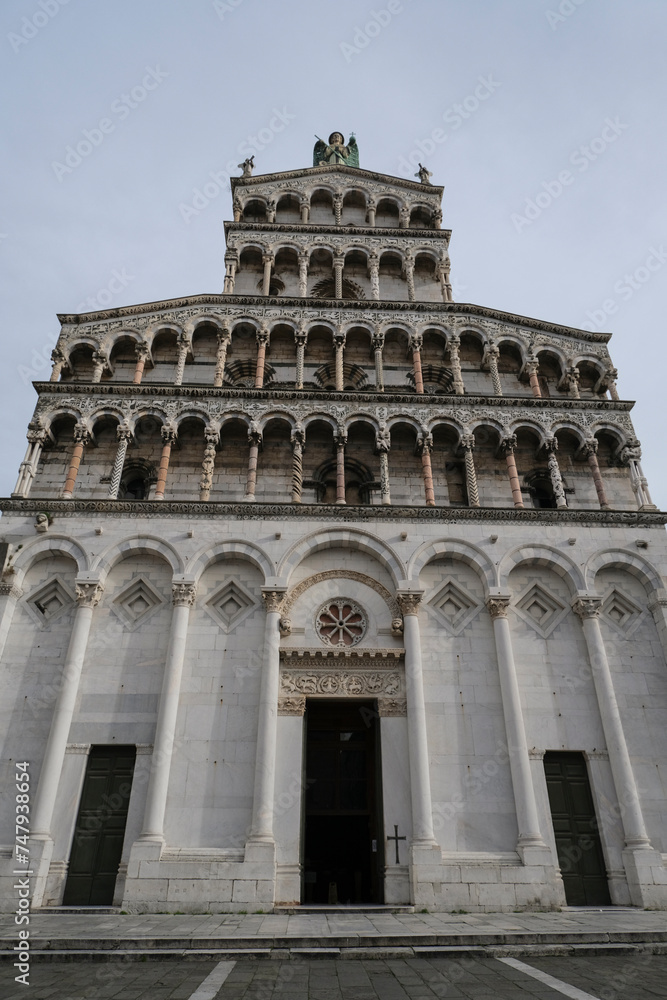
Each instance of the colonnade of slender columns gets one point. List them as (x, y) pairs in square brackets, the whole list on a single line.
[(416, 341), (425, 446), (340, 470), (254, 441), (28, 468), (81, 438), (124, 435), (554, 473), (377, 343), (532, 368), (491, 355), (298, 439), (224, 339), (262, 344), (180, 361), (455, 364), (168, 439), (339, 347), (143, 354), (468, 444), (212, 438)]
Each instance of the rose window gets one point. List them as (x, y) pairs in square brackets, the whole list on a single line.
[(341, 622)]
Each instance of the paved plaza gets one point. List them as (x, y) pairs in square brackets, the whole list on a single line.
[(637, 977)]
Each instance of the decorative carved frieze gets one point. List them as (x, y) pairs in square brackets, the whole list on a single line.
[(341, 683), (242, 511)]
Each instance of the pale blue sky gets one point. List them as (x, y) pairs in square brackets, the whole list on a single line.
[(549, 77)]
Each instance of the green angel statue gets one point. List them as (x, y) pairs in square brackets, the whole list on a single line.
[(336, 151)]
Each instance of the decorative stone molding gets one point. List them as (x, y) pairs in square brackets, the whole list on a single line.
[(195, 510), (79, 748), (587, 607), (536, 754), (10, 590), (409, 601), (183, 595), (596, 754), (292, 705), (341, 683), (273, 599), (341, 622), (378, 659), (392, 707), (497, 607), (88, 594), (144, 749)]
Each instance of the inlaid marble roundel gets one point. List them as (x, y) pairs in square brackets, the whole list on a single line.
[(341, 622)]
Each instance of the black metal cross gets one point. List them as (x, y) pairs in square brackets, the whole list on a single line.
[(396, 838)]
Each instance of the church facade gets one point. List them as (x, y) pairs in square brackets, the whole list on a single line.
[(328, 589)]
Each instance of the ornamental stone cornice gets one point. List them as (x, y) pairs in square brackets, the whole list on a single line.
[(372, 233), (315, 175), (230, 509), (98, 393), (225, 306)]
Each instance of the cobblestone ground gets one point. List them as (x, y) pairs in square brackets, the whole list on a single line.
[(603, 978)]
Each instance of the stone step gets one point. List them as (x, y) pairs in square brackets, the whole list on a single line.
[(91, 910), (340, 908)]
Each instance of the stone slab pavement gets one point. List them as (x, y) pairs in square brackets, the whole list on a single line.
[(360, 934), (637, 977)]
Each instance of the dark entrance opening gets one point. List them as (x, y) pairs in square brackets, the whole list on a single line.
[(576, 829), (100, 827), (343, 837)]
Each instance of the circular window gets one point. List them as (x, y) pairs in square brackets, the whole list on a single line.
[(341, 622)]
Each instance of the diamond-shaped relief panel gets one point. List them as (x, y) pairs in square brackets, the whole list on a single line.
[(230, 605), (51, 601), (136, 603), (621, 612), (453, 606), (541, 610)]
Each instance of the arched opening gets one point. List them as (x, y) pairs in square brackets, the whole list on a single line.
[(319, 348), (321, 208), (354, 209), (362, 471), (282, 351), (285, 277), (81, 365), (204, 350), (421, 218), (288, 209), (393, 285), (395, 358), (405, 466), (136, 481), (243, 345), (448, 467), (427, 283), (320, 274), (55, 456), (164, 350), (387, 214), (471, 353), (491, 469), (254, 211), (274, 467), (229, 480), (356, 284), (123, 360), (100, 457), (531, 463), (549, 373), (358, 346), (319, 464), (589, 376), (509, 366), (250, 273)]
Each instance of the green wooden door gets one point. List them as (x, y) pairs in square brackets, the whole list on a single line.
[(575, 826), (100, 827)]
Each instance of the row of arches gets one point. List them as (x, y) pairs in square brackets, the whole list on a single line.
[(280, 569), (324, 272), (358, 461), (229, 351), (326, 206)]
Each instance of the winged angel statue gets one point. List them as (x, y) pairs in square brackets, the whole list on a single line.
[(335, 151)]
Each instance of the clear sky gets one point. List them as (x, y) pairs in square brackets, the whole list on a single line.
[(558, 103)]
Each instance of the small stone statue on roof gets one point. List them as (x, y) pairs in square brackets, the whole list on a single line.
[(247, 166), (336, 151), (424, 175)]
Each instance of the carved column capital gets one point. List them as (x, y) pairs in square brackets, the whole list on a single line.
[(383, 440), (124, 433), (587, 607), (263, 336), (589, 447), (339, 337), (508, 443), (81, 434), (298, 436), (424, 443), (377, 340), (467, 442), (212, 436), (224, 336), (409, 601), (497, 607), (183, 595), (88, 594), (551, 445), (416, 341), (168, 434), (142, 351), (273, 598)]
